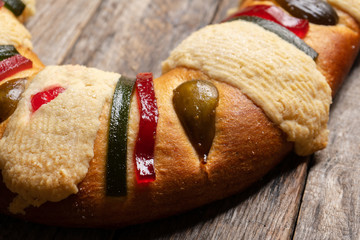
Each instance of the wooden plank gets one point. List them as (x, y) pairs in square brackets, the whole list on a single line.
[(57, 25), (330, 207), (134, 36), (138, 34)]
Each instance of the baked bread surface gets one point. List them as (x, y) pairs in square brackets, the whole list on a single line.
[(239, 149), (246, 146)]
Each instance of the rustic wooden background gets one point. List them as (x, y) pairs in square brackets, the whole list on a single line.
[(303, 198)]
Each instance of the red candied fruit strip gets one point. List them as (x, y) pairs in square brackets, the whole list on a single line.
[(13, 65), (300, 27), (1, 4), (45, 97), (145, 144)]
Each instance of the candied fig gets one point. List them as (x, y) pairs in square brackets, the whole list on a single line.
[(10, 93), (316, 11), (195, 103)]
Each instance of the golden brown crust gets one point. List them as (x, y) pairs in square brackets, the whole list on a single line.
[(246, 146), (339, 47)]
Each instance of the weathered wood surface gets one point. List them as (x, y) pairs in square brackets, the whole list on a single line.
[(135, 36)]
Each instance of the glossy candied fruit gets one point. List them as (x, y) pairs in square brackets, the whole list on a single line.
[(145, 142), (195, 103), (298, 26), (316, 11), (10, 94), (45, 97)]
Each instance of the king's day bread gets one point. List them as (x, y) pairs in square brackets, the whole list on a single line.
[(246, 146)]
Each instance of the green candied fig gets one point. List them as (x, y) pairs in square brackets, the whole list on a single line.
[(10, 93), (195, 103)]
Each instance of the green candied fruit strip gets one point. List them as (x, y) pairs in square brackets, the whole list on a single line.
[(282, 33), (15, 6), (7, 51), (117, 139)]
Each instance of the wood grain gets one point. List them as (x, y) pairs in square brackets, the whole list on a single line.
[(135, 36), (57, 25)]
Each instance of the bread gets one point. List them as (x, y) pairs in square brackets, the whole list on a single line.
[(247, 145)]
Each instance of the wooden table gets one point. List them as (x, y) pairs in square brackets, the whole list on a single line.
[(303, 198)]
